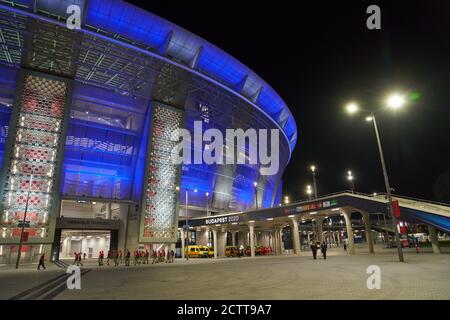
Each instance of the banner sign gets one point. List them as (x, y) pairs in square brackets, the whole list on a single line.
[(312, 206)]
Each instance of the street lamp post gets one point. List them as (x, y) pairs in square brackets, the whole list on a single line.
[(207, 204), (313, 170), (315, 230), (187, 222), (19, 253), (388, 192), (256, 194), (329, 231), (395, 102)]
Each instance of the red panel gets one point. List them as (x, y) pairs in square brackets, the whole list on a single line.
[(396, 209)]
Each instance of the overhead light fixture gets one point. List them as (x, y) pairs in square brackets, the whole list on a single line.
[(352, 108)]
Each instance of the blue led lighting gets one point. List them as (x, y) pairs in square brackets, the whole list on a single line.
[(27, 3), (441, 222), (139, 172), (129, 21), (216, 62), (134, 23)]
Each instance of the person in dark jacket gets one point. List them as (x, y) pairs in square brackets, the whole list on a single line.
[(41, 262), (314, 250), (127, 258), (324, 248)]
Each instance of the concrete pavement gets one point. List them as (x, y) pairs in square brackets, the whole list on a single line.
[(341, 276)]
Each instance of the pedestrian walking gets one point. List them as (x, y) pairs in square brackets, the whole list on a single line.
[(120, 257), (84, 256), (116, 258), (172, 256), (154, 257), (324, 249), (79, 262), (146, 256), (108, 257), (127, 258), (41, 262), (76, 257), (100, 258), (314, 250)]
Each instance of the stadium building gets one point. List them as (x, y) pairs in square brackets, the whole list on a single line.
[(86, 116)]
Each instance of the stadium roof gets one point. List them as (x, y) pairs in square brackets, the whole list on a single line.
[(150, 32)]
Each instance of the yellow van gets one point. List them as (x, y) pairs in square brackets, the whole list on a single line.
[(196, 252), (209, 250)]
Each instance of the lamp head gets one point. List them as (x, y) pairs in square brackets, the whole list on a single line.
[(352, 108), (395, 101)]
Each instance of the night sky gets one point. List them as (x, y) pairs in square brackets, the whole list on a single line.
[(318, 55)]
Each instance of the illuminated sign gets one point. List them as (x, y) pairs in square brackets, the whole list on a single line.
[(220, 220), (312, 206)]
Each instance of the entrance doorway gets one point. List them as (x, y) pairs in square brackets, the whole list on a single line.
[(89, 242)]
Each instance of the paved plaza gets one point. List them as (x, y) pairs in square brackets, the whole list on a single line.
[(341, 276)]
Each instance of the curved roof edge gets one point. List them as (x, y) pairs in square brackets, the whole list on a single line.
[(172, 41), (177, 44)]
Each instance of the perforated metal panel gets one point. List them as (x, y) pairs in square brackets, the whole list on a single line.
[(159, 212), (29, 175)]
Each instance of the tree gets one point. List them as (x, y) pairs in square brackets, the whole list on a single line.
[(441, 188)]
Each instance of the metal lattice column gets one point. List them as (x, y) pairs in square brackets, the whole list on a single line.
[(30, 177)]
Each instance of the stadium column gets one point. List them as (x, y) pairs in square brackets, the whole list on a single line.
[(222, 242), (296, 237), (277, 237), (216, 246), (319, 222), (366, 219), (183, 243), (434, 239), (159, 207), (252, 239), (273, 240), (348, 224), (30, 178), (281, 241), (203, 237)]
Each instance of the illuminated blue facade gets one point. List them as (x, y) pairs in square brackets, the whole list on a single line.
[(123, 60)]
